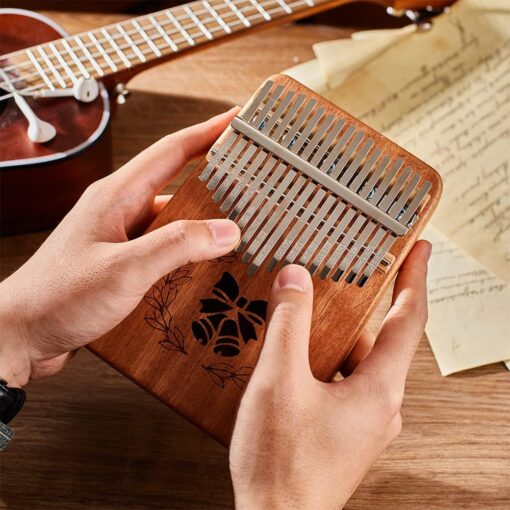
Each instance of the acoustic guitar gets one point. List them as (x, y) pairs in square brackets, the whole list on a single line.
[(55, 90)]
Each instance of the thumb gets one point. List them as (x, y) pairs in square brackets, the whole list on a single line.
[(285, 350), (161, 251)]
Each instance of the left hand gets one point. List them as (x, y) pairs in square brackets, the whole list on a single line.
[(92, 271)]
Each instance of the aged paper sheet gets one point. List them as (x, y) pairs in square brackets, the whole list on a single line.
[(466, 304), (445, 95)]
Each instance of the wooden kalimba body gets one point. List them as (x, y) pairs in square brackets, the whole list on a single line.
[(307, 183)]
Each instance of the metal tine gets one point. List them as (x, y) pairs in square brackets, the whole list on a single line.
[(243, 181), (415, 203), (358, 180), (226, 164), (376, 197), (298, 226), (356, 162), (354, 250), (376, 260), (282, 226), (252, 189), (303, 136), (314, 142), (268, 224), (395, 209), (338, 167), (321, 151), (367, 253), (329, 242), (270, 165), (278, 112), (284, 123), (248, 114), (277, 173), (234, 172), (218, 156), (256, 217), (289, 137), (335, 237), (258, 121), (312, 229), (336, 149), (395, 189), (372, 180)]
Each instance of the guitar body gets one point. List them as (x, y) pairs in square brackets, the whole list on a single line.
[(39, 183)]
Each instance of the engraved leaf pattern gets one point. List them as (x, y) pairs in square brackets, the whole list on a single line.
[(160, 299), (221, 373)]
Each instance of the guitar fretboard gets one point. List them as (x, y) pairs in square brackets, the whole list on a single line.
[(138, 41)]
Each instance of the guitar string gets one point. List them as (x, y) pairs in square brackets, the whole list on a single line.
[(91, 46)]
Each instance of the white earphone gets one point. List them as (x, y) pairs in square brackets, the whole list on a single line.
[(84, 90), (39, 131)]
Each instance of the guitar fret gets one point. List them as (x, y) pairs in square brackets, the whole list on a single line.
[(217, 17), (103, 52), (76, 60), (40, 70), (165, 37), (63, 62), (197, 22), (116, 47), (238, 13), (284, 6), (131, 43), (88, 55), (179, 27), (51, 66), (259, 8), (146, 38)]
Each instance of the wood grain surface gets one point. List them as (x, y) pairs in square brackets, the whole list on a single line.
[(90, 439)]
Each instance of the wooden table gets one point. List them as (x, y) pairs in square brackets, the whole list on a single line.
[(90, 439)]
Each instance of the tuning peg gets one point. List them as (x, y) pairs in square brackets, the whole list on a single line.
[(39, 131), (122, 93), (84, 90), (422, 18)]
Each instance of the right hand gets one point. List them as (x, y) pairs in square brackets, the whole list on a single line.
[(302, 444)]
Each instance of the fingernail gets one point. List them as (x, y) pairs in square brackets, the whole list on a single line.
[(224, 232), (295, 277)]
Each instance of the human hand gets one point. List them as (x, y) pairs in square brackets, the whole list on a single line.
[(301, 443), (92, 270)]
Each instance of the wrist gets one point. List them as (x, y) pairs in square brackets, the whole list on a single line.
[(15, 364)]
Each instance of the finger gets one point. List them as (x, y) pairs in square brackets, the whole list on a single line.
[(403, 326), (157, 253), (359, 352), (155, 167), (285, 350)]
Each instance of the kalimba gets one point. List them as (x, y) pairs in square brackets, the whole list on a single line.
[(307, 183)]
